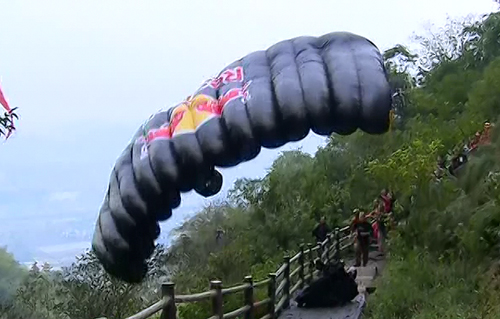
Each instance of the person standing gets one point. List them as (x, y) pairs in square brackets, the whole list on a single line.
[(485, 137), (219, 237), (364, 231), (386, 198), (355, 219), (380, 215), (321, 230)]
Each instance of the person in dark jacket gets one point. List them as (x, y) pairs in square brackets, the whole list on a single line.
[(364, 232), (321, 231), (219, 237)]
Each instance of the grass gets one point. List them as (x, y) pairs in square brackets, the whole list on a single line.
[(417, 285)]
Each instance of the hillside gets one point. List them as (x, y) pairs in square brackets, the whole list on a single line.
[(443, 259), (449, 243)]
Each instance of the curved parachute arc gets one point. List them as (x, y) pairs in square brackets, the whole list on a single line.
[(333, 83)]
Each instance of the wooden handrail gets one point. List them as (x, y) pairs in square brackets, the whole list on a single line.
[(280, 283), (194, 297), (151, 310), (295, 272), (280, 270), (295, 258), (234, 289)]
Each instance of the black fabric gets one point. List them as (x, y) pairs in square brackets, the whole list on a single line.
[(333, 83), (335, 287), (457, 162), (362, 251), (363, 229)]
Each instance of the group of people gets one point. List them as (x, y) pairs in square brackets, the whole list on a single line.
[(372, 226), (481, 137), (366, 227), (460, 154)]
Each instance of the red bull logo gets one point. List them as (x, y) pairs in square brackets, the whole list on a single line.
[(165, 131), (234, 94), (160, 133), (212, 107), (192, 113), (228, 76)]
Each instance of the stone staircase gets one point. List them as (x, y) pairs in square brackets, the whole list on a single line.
[(367, 275), (365, 279)]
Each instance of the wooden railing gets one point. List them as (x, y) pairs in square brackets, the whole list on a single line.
[(281, 285)]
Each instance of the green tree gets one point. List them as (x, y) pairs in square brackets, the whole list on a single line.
[(441, 256), (11, 276)]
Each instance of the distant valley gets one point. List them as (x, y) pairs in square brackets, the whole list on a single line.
[(57, 223), (58, 240)]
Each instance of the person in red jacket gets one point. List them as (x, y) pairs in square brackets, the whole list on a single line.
[(383, 215), (486, 134), (475, 141), (386, 198)]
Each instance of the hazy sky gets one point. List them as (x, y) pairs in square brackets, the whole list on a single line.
[(86, 74)]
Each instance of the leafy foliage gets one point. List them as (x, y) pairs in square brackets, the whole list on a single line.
[(442, 256)]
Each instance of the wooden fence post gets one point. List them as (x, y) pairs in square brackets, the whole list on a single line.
[(301, 265), (249, 298), (170, 310), (217, 302), (286, 260), (311, 263), (271, 293), (329, 247), (337, 243)]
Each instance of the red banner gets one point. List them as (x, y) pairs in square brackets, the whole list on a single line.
[(3, 101), (6, 106)]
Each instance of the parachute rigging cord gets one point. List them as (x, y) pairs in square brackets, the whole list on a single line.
[(336, 83)]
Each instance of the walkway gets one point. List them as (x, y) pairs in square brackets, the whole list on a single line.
[(365, 279)]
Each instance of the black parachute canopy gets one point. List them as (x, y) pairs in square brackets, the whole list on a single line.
[(333, 83)]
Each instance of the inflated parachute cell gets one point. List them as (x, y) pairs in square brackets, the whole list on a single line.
[(333, 83)]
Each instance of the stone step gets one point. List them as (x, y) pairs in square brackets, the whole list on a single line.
[(364, 278)]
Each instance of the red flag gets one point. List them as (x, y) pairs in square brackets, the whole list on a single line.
[(6, 106), (3, 101)]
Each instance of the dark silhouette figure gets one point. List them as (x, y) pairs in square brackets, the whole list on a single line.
[(335, 287), (321, 231)]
